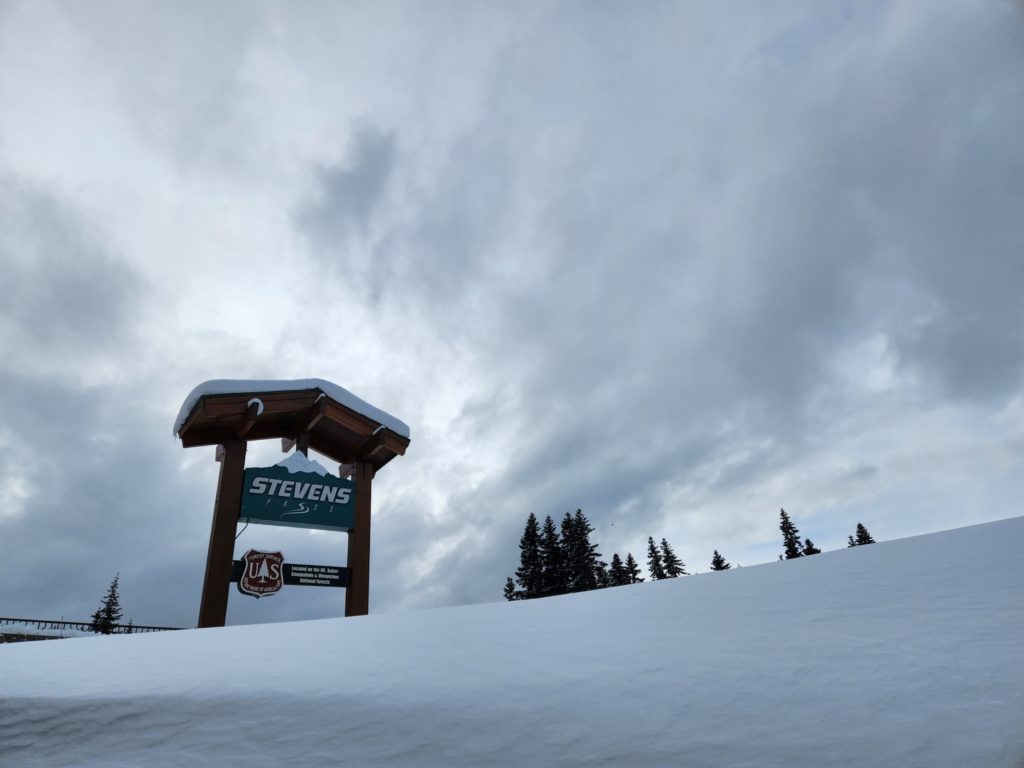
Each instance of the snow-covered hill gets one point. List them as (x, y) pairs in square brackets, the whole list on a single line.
[(904, 653)]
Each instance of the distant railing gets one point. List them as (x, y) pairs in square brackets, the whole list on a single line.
[(81, 626)]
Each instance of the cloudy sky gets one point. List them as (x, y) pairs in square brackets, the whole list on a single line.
[(679, 265)]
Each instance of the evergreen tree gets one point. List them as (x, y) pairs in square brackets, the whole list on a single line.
[(552, 560), (810, 549), (850, 542), (529, 572), (570, 552), (790, 537), (671, 564), (582, 560), (107, 616), (654, 565), (863, 537), (510, 589), (632, 570), (718, 563), (617, 575), (601, 574)]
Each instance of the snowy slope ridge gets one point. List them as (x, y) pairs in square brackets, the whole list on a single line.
[(903, 653)]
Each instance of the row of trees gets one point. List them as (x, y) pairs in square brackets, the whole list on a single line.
[(795, 548), (556, 560)]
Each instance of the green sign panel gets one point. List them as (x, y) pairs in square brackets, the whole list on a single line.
[(277, 496)]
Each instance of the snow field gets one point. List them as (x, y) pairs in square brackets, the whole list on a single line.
[(902, 653)]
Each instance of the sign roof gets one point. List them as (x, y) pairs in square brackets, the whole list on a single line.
[(346, 429)]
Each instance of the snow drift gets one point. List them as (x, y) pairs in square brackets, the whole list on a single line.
[(903, 653)]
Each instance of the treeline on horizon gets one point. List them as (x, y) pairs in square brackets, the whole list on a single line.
[(558, 560)]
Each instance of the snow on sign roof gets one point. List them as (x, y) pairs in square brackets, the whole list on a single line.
[(245, 386)]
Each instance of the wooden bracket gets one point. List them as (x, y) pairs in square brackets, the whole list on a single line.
[(248, 419), (302, 426), (373, 443)]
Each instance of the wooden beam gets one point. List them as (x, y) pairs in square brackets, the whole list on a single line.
[(349, 419), (198, 412), (213, 608), (247, 421), (372, 444), (298, 431), (309, 419), (225, 406), (357, 595)]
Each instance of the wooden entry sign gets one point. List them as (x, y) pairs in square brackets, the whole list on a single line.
[(305, 413)]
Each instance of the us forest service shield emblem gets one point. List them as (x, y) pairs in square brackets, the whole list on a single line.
[(262, 573)]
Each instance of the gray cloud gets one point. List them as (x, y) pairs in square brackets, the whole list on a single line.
[(104, 500), (62, 290), (646, 318), (679, 268), (346, 196)]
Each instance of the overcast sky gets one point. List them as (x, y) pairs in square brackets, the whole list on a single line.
[(678, 264)]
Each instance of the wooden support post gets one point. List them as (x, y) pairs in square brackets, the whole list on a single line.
[(213, 609), (302, 444), (357, 595)]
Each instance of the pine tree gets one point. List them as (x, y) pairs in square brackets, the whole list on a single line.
[(529, 572), (654, 566), (863, 537), (850, 542), (552, 560), (810, 549), (510, 590), (790, 537), (671, 564), (632, 570), (582, 560), (570, 552), (107, 616), (617, 575), (718, 563)]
